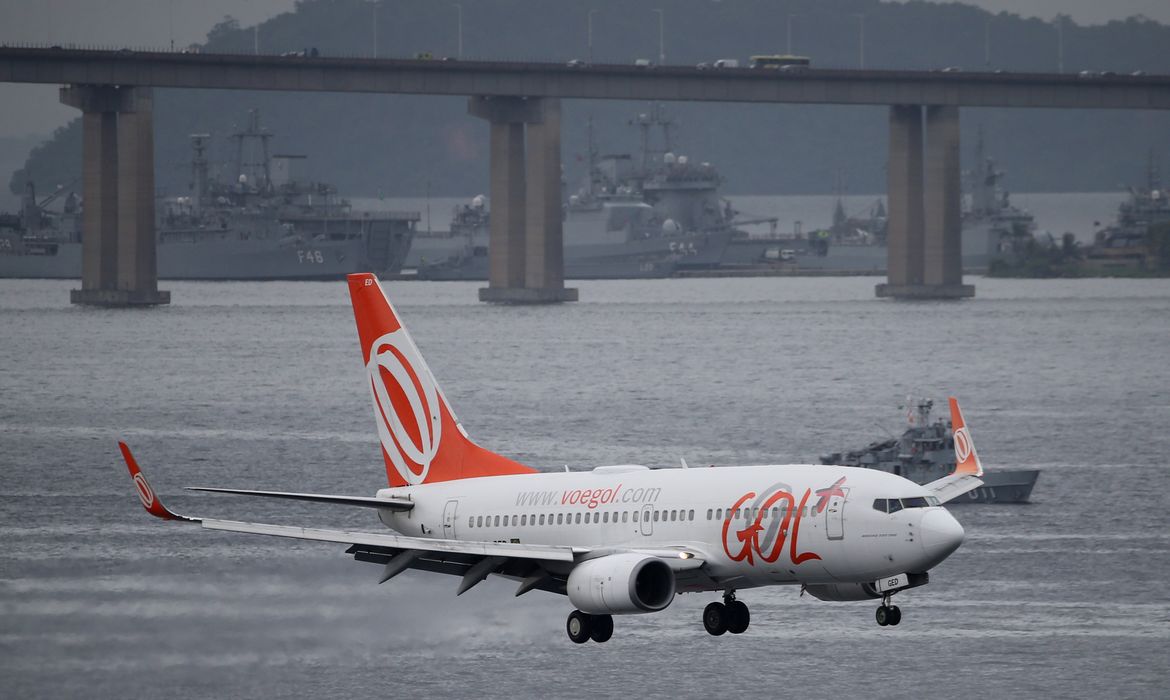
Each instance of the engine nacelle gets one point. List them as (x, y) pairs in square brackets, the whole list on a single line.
[(841, 592), (622, 584)]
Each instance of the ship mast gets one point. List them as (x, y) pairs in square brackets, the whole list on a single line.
[(199, 169), (256, 166)]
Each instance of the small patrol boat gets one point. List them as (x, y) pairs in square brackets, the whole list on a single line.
[(926, 451)]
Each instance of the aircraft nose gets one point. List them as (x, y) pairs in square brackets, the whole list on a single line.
[(941, 534)]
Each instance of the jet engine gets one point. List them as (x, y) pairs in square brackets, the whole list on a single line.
[(841, 592), (622, 584)]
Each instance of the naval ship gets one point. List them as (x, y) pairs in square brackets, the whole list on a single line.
[(926, 451), (632, 218), (268, 223), (991, 227), (1126, 244)]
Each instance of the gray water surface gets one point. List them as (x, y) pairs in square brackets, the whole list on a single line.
[(260, 385)]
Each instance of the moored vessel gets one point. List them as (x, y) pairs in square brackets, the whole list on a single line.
[(270, 223), (926, 452)]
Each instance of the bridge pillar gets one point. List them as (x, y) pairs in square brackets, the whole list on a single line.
[(942, 254), (923, 229), (118, 247), (904, 186), (526, 243)]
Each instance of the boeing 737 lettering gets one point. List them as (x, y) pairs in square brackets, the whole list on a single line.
[(620, 539)]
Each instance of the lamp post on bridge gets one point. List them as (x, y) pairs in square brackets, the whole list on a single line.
[(987, 42), (589, 32), (1059, 21), (459, 21), (860, 39), (788, 34), (661, 36)]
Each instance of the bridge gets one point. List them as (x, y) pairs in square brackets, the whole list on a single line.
[(521, 102)]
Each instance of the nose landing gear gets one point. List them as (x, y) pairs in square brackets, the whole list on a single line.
[(729, 616), (888, 614)]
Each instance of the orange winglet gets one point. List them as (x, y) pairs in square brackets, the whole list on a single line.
[(146, 494), (966, 459)]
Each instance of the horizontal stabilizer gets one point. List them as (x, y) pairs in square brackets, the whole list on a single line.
[(399, 504)]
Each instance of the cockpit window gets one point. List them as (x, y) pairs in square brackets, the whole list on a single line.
[(893, 505)]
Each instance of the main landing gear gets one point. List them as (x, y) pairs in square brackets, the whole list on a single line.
[(582, 627), (888, 614), (729, 616)]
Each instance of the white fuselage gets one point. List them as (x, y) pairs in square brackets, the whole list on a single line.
[(758, 525)]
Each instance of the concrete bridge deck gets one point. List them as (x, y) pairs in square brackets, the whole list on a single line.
[(596, 81)]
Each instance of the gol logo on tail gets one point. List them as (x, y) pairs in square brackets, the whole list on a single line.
[(400, 392)]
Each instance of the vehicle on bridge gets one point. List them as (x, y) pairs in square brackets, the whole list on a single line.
[(781, 62)]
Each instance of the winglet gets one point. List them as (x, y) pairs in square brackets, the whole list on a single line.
[(966, 459), (146, 494)]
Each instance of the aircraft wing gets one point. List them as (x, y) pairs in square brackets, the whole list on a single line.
[(536, 566), (952, 486)]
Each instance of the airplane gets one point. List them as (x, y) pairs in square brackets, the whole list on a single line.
[(619, 539)]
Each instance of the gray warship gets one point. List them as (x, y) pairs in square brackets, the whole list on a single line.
[(268, 223), (926, 451), (1126, 242), (992, 228), (632, 218)]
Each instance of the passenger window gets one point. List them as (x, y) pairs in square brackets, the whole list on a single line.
[(709, 513), (578, 518), (635, 516), (605, 517), (656, 516), (479, 521), (775, 512), (471, 521), (542, 518), (497, 521), (515, 518), (625, 515), (523, 520)]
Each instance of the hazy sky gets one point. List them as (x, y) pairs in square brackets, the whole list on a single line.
[(32, 109)]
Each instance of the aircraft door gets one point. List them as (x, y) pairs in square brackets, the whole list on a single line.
[(647, 523), (449, 519), (835, 515)]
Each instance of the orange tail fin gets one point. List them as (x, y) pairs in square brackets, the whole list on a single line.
[(422, 440), (966, 459)]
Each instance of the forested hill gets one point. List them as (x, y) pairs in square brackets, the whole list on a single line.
[(401, 145)]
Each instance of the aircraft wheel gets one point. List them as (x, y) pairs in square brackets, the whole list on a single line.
[(602, 628), (578, 626), (738, 617), (883, 616), (895, 615), (715, 619)]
